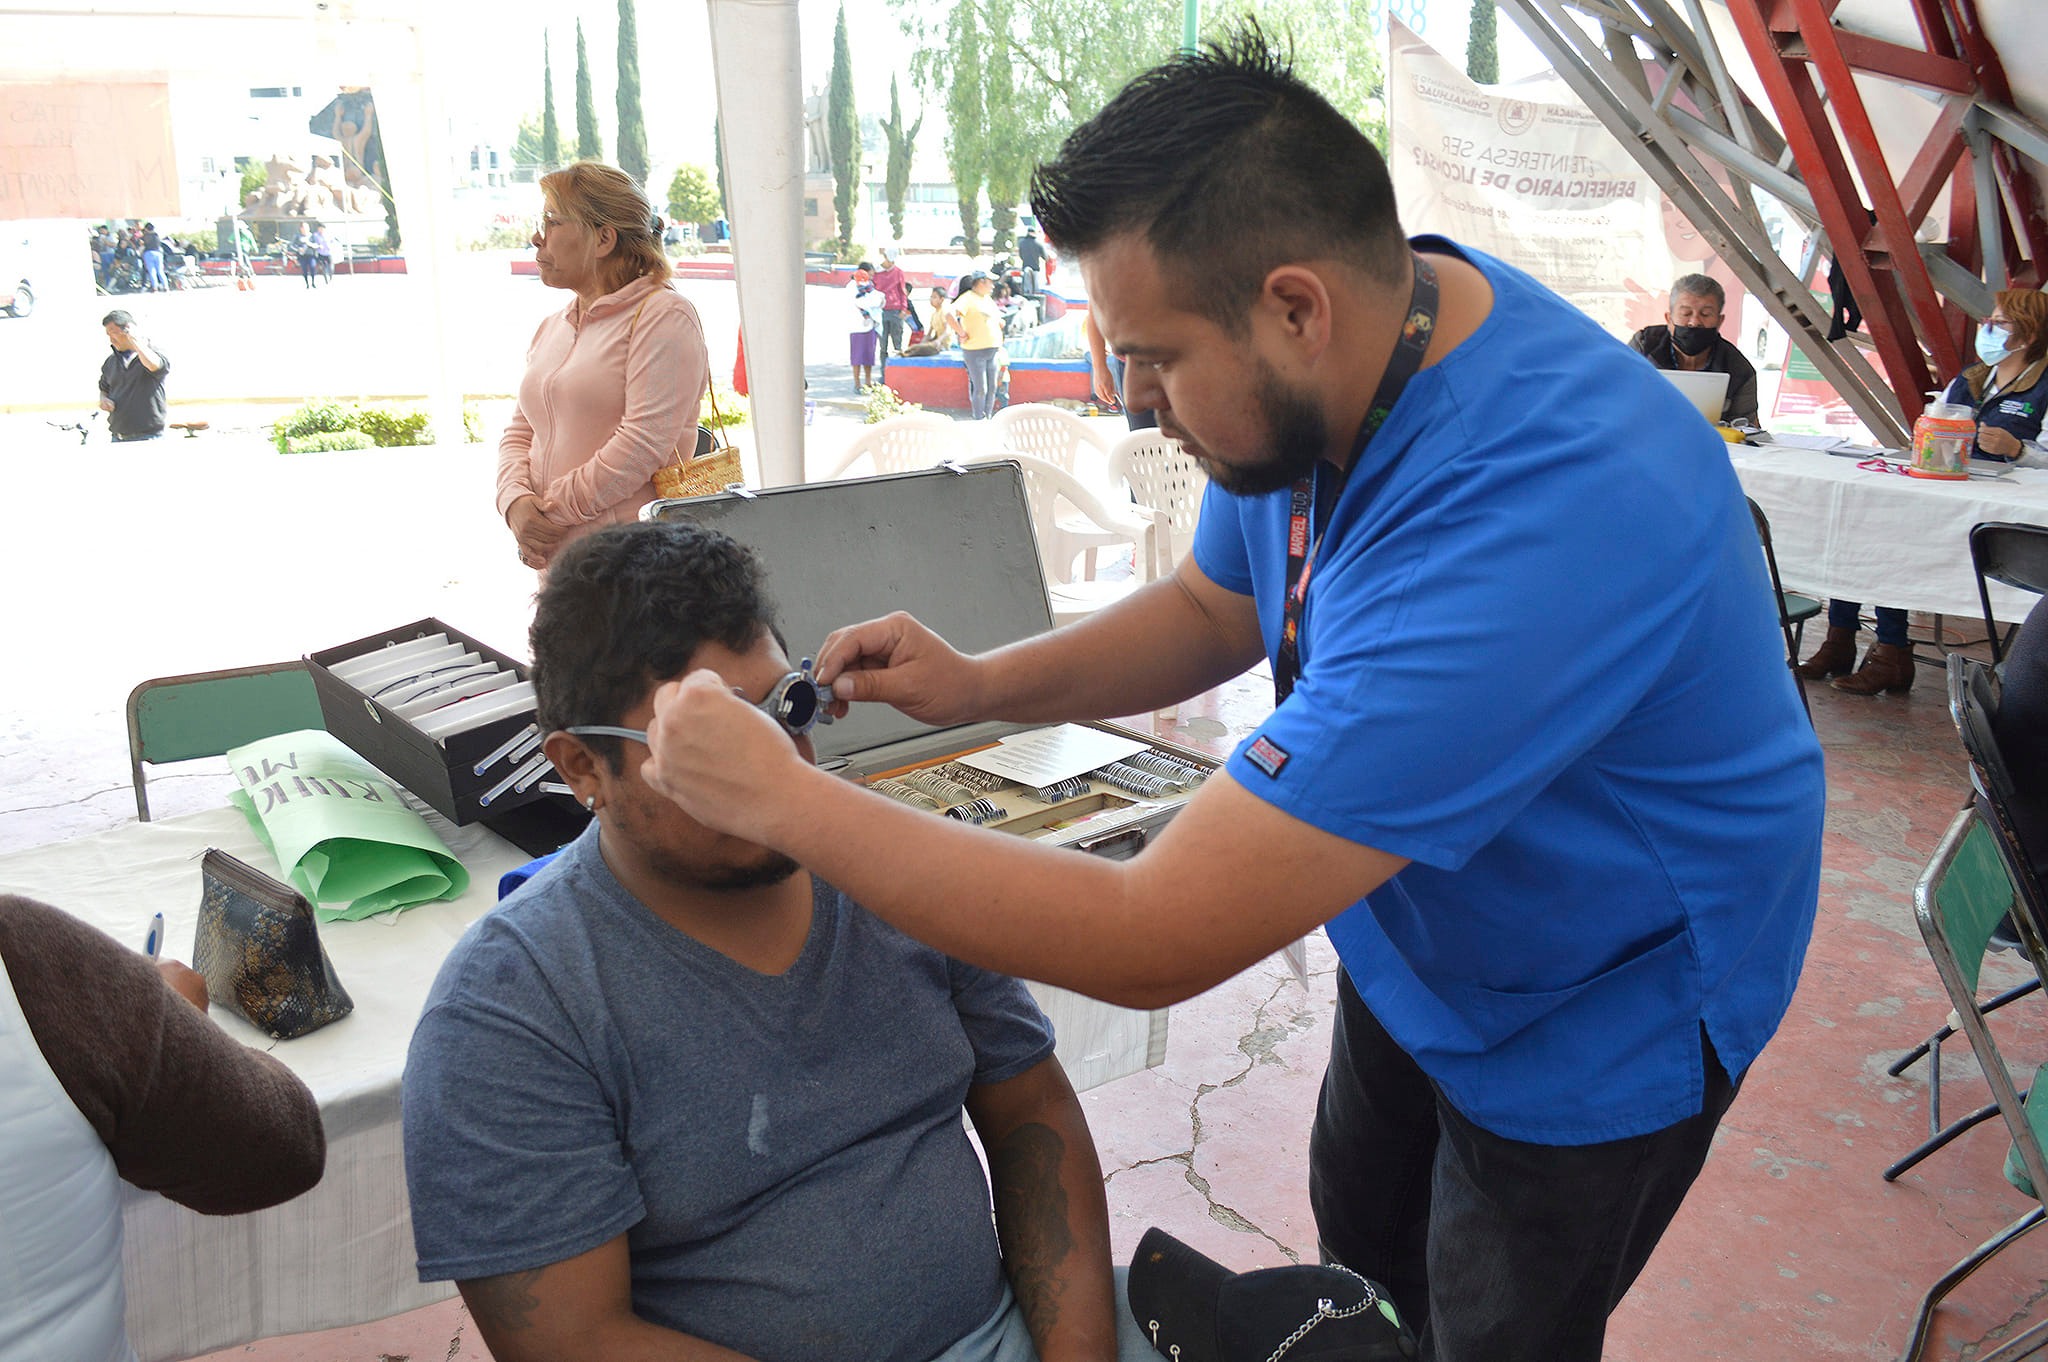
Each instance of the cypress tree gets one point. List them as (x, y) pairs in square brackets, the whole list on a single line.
[(550, 126), (588, 146), (841, 132), (902, 147), (1482, 55), (632, 124)]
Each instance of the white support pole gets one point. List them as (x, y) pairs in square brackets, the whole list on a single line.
[(756, 52), (412, 112)]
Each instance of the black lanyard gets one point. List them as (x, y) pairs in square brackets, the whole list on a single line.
[(1304, 534)]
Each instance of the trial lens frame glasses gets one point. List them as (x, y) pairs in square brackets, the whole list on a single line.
[(797, 702)]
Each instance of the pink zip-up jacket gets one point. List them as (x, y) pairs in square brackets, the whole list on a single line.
[(606, 399)]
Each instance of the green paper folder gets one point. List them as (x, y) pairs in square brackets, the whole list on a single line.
[(339, 829)]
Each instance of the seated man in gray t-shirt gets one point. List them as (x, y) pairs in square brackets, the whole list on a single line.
[(675, 1098)]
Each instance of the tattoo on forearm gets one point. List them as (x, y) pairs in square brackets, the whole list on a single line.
[(1031, 1213), (505, 1303)]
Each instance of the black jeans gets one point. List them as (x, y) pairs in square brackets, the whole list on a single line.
[(1493, 1249)]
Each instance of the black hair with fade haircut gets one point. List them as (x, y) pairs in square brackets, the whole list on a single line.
[(1229, 166), (626, 608)]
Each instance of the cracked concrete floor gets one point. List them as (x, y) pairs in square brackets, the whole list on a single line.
[(1790, 1245)]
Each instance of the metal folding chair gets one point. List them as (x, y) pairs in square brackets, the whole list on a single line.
[(1959, 901), (2009, 552), (1794, 610), (1971, 702), (203, 714)]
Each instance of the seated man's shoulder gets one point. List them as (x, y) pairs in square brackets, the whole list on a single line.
[(1648, 339), (520, 941), (1737, 362)]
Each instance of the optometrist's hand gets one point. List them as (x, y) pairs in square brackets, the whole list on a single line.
[(897, 661), (723, 761), (1994, 440)]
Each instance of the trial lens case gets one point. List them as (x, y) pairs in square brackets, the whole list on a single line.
[(441, 771), (954, 547)]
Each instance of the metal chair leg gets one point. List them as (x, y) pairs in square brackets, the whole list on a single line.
[(2026, 1345), (1923, 1323), (1941, 1139)]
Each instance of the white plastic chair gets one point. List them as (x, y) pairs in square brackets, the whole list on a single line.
[(1045, 432), (903, 444), (1166, 478), (1067, 442), (1056, 495)]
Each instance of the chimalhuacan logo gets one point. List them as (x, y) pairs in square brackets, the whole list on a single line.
[(1515, 116)]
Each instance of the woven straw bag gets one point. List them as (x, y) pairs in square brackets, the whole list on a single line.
[(714, 464), (708, 472)]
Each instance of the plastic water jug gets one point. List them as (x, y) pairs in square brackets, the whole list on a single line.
[(1942, 440)]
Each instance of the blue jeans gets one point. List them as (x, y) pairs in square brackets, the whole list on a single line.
[(153, 272), (1494, 1250), (981, 381), (1891, 624), (1137, 420), (1003, 1337)]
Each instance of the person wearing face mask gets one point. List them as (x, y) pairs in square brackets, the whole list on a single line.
[(2008, 391), (1691, 340)]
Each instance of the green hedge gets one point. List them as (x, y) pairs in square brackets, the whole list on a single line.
[(392, 429), (320, 441), (378, 427)]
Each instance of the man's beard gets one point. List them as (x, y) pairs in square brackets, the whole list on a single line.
[(728, 878), (1296, 433)]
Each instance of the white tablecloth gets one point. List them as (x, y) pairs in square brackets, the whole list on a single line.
[(1882, 539), (343, 1253)]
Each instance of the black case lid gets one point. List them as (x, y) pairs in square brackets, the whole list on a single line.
[(952, 546)]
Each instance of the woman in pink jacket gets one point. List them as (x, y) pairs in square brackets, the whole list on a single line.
[(612, 381)]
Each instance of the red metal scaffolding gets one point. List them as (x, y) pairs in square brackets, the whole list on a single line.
[(1870, 212)]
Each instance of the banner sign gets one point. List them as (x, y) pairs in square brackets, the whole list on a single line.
[(79, 149), (1527, 173)]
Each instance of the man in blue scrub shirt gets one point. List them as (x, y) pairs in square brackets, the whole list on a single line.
[(1538, 762)]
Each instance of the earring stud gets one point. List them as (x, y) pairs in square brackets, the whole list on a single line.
[(590, 803)]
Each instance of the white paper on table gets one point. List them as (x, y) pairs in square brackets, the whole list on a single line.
[(1820, 442), (1045, 755)]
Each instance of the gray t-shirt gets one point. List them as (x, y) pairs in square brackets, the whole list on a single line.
[(785, 1154)]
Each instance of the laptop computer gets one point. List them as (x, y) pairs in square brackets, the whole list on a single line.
[(1707, 392)]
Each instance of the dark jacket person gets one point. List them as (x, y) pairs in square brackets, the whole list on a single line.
[(132, 382), (1692, 342)]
